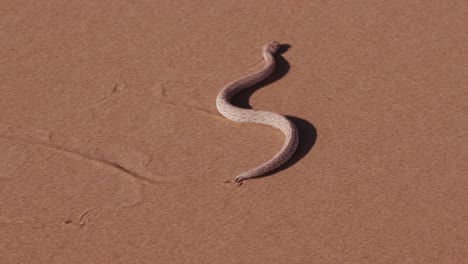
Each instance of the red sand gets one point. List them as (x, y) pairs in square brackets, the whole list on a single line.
[(112, 150)]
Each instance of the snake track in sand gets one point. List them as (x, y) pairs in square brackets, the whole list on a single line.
[(242, 115)]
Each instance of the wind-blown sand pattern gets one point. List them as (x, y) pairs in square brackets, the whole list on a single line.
[(112, 149)]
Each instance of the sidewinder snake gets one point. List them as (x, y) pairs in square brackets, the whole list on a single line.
[(242, 115)]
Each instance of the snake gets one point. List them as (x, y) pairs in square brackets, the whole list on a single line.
[(243, 115)]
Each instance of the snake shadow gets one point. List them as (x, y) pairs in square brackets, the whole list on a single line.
[(307, 131)]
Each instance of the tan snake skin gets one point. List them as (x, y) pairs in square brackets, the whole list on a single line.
[(243, 115)]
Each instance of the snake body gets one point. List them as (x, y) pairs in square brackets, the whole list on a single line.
[(242, 115)]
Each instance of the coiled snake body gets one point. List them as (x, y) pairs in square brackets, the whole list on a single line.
[(243, 115)]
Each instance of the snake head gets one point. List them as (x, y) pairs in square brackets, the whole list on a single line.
[(272, 47)]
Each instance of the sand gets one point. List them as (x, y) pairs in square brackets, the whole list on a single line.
[(112, 150)]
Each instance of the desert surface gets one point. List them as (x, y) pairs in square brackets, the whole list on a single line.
[(112, 149)]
